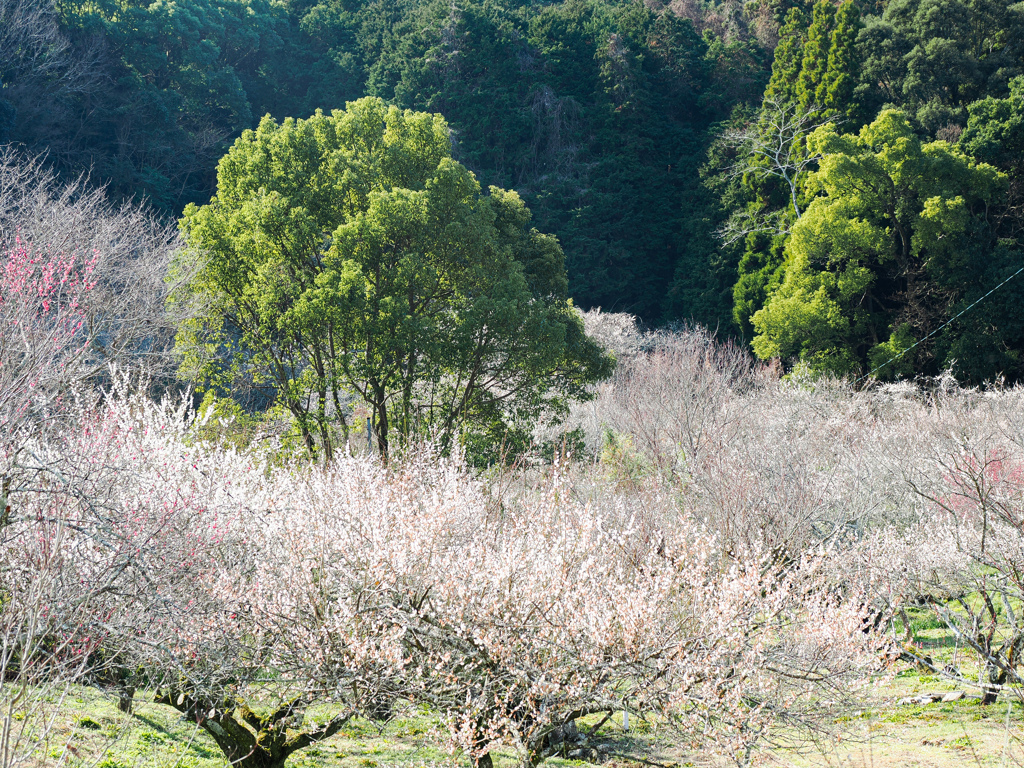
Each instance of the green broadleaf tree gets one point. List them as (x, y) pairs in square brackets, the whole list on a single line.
[(349, 253), (883, 254), (995, 134), (812, 82), (933, 58)]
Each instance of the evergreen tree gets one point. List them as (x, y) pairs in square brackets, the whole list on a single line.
[(812, 80), (995, 134), (895, 243), (811, 85), (349, 253), (836, 93), (789, 57), (933, 58)]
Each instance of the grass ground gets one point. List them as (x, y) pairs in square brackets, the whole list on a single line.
[(954, 734), (883, 734)]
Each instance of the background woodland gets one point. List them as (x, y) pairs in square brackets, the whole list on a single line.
[(626, 127)]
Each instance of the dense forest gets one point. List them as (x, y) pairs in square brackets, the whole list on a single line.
[(834, 183)]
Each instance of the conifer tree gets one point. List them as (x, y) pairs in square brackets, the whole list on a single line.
[(843, 64), (810, 86), (758, 269), (789, 55)]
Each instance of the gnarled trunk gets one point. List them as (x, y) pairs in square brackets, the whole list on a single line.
[(991, 679), (247, 739)]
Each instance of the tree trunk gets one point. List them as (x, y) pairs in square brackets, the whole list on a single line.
[(5, 508), (556, 741), (382, 429), (991, 679), (125, 697), (249, 740), (301, 417)]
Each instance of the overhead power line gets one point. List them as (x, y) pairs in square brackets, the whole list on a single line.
[(952, 319)]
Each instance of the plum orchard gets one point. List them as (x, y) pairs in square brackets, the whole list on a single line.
[(247, 592), (356, 584), (963, 558)]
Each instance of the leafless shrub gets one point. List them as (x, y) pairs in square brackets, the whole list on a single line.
[(765, 463), (962, 552), (119, 255), (949, 132)]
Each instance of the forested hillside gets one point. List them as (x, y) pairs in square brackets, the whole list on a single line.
[(669, 147)]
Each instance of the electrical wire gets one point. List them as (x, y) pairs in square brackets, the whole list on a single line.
[(952, 319)]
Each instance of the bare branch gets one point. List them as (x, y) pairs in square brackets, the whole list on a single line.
[(776, 147)]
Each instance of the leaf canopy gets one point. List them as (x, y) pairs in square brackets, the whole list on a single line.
[(348, 255)]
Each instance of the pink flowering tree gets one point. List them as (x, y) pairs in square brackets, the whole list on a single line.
[(44, 606), (213, 626), (962, 558), (82, 285), (356, 585), (43, 302), (47, 625), (563, 610), (129, 561)]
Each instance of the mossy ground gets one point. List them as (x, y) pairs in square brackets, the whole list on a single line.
[(92, 733), (955, 734), (942, 735)]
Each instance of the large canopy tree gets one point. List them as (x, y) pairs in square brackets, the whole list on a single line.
[(897, 240), (349, 253)]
